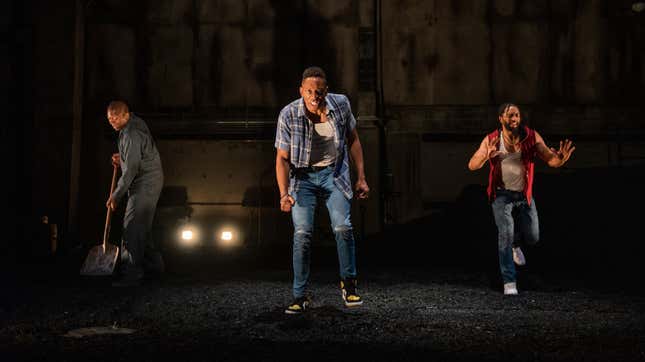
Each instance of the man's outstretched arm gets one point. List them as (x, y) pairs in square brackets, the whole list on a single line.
[(553, 157)]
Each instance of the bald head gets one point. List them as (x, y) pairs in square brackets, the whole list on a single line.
[(118, 114), (118, 107)]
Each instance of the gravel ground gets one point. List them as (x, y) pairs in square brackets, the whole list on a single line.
[(234, 311)]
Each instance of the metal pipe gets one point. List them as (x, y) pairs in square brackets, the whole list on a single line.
[(77, 107), (385, 174)]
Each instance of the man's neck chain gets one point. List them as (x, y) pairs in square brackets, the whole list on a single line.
[(508, 140)]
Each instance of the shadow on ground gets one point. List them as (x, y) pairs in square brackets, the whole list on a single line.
[(431, 287)]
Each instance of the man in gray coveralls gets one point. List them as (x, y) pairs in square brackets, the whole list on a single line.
[(142, 179)]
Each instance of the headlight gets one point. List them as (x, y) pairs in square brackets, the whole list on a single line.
[(188, 235), (227, 237)]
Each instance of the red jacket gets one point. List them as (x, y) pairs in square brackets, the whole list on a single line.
[(527, 147)]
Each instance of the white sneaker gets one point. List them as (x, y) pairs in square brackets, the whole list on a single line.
[(518, 256), (510, 289)]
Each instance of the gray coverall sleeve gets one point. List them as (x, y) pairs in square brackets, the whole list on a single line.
[(130, 163)]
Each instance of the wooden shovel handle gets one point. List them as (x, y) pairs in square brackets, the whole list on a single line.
[(108, 217)]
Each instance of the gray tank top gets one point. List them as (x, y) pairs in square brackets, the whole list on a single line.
[(512, 168)]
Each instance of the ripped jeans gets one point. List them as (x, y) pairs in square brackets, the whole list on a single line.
[(314, 186), (516, 221)]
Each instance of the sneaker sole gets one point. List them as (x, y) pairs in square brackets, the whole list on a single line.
[(353, 304), (303, 310), (291, 312), (349, 304)]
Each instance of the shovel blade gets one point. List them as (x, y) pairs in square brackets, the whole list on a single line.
[(100, 261)]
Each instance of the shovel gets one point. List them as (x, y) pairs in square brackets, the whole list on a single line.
[(102, 258)]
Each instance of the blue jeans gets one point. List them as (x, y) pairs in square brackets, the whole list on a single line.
[(315, 185), (516, 221)]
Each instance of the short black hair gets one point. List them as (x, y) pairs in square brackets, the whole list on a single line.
[(315, 72), (504, 107)]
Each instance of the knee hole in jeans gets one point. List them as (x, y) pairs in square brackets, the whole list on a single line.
[(303, 231), (342, 228)]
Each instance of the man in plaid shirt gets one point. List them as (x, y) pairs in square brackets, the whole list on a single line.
[(313, 136)]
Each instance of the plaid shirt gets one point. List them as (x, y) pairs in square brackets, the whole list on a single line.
[(294, 134)]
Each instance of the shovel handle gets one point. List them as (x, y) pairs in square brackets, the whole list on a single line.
[(108, 217)]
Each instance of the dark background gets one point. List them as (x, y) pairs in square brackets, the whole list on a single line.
[(424, 78)]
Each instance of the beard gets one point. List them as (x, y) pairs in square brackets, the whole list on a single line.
[(514, 131)]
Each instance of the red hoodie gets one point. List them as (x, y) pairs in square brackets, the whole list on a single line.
[(527, 147)]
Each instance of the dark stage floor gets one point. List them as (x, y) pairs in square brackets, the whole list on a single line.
[(225, 308)]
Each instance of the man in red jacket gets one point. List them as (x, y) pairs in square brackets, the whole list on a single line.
[(511, 151)]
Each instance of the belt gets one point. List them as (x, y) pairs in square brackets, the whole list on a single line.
[(316, 168), (507, 190)]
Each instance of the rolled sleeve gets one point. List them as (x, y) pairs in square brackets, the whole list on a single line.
[(351, 121), (283, 133)]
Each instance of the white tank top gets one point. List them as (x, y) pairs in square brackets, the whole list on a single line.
[(323, 145), (512, 168)]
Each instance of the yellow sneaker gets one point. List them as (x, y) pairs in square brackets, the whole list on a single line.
[(350, 295), (299, 305)]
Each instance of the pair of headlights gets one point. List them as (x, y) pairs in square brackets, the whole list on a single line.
[(189, 236)]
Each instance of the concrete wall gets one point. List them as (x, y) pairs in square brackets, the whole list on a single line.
[(485, 52), (436, 52), (575, 67), (233, 182), (445, 67), (447, 64), (219, 61), (210, 54)]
